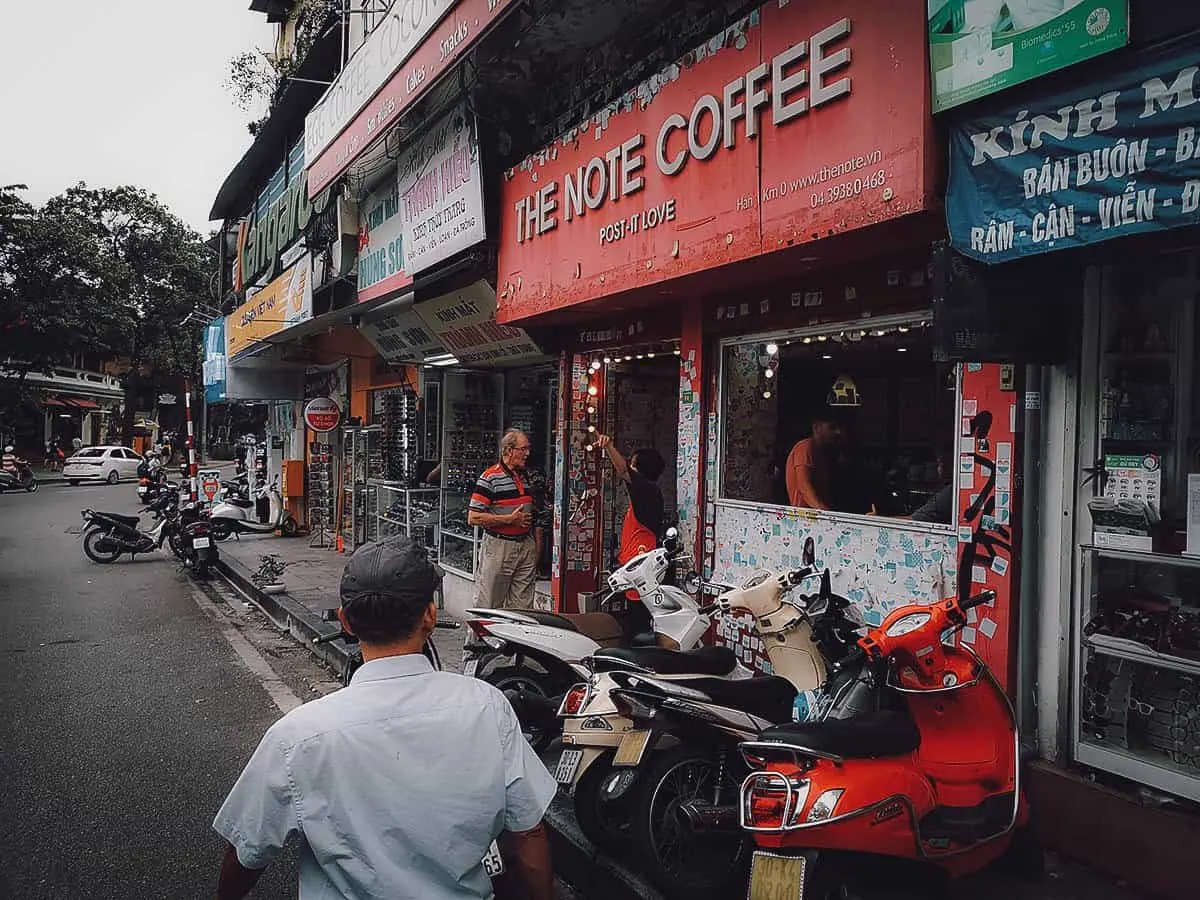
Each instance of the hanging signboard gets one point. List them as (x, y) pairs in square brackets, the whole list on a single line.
[(381, 265), (441, 192), (400, 334), (797, 123), (405, 56), (322, 414), (465, 323), (1117, 157), (284, 302), (979, 47), (214, 361)]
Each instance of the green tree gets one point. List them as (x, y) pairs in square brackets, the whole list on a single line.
[(108, 271)]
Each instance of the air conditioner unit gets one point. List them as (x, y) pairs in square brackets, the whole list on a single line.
[(345, 246)]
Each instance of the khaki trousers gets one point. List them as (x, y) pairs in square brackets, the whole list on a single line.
[(507, 573)]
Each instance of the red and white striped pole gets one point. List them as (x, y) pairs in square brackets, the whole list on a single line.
[(191, 439)]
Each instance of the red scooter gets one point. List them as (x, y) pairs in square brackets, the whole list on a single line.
[(924, 787)]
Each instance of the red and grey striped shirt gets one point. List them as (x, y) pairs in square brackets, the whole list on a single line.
[(500, 490)]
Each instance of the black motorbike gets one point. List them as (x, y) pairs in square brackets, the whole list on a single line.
[(196, 546), (22, 479), (106, 535)]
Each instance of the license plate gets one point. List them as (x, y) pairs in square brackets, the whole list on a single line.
[(776, 877), (471, 668), (632, 749), (201, 542), (493, 862), (568, 765)]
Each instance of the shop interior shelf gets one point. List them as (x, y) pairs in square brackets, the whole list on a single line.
[(1123, 648), (1144, 556), (455, 534)]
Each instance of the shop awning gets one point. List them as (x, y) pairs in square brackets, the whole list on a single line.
[(70, 402)]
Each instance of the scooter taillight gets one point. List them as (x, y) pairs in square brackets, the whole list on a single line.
[(144, 482), (480, 627), (771, 801), (574, 701)]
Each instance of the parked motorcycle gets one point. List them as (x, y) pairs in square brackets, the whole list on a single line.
[(655, 758), (928, 778), (153, 487), (106, 536), (536, 657), (22, 479), (196, 548), (235, 515)]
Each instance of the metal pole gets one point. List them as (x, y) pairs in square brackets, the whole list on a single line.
[(191, 439)]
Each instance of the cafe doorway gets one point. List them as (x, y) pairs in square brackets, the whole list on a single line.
[(642, 412)]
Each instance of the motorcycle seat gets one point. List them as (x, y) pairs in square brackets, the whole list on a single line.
[(131, 521), (238, 501), (767, 696), (549, 619), (882, 733), (701, 661), (600, 627)]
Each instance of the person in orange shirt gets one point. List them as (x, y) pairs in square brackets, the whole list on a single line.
[(811, 464), (643, 523)]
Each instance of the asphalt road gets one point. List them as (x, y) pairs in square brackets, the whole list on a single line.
[(126, 715)]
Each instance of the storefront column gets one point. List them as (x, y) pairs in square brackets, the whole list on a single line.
[(990, 510), (577, 511), (689, 493)]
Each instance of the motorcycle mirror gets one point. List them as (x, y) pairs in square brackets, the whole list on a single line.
[(809, 554)]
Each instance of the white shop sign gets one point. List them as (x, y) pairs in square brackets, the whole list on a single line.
[(465, 322), (400, 334), (403, 29), (441, 192)]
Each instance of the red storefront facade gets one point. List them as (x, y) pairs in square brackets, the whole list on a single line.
[(760, 214)]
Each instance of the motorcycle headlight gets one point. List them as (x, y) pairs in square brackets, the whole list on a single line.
[(823, 807)]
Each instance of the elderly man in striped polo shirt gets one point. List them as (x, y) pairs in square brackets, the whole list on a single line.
[(503, 507)]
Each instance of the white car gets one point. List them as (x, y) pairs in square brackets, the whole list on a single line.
[(109, 464)]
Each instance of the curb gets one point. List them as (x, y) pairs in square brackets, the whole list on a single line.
[(579, 863), (287, 615)]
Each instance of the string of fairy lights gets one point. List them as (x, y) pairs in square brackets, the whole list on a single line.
[(768, 352), (608, 360)]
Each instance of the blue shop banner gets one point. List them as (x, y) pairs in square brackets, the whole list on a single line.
[(214, 361), (1118, 157)]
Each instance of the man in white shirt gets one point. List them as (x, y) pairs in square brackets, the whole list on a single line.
[(396, 785)]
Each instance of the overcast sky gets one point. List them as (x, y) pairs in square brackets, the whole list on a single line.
[(124, 92)]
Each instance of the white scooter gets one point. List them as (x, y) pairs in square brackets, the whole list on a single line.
[(234, 515), (535, 657)]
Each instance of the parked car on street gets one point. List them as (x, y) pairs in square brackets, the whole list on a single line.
[(107, 463)]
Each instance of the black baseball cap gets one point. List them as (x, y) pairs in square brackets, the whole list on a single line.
[(395, 566)]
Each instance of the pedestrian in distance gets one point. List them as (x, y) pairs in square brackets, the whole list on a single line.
[(503, 507), (395, 786)]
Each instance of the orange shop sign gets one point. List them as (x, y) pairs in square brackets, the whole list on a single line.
[(799, 122), (284, 302)]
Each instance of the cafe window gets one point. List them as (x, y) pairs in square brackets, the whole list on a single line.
[(878, 415)]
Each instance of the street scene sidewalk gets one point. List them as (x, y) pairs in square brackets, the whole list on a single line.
[(311, 578)]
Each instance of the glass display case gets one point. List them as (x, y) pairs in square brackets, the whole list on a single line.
[(1138, 690), (1136, 626), (362, 460), (408, 511), (471, 427)]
